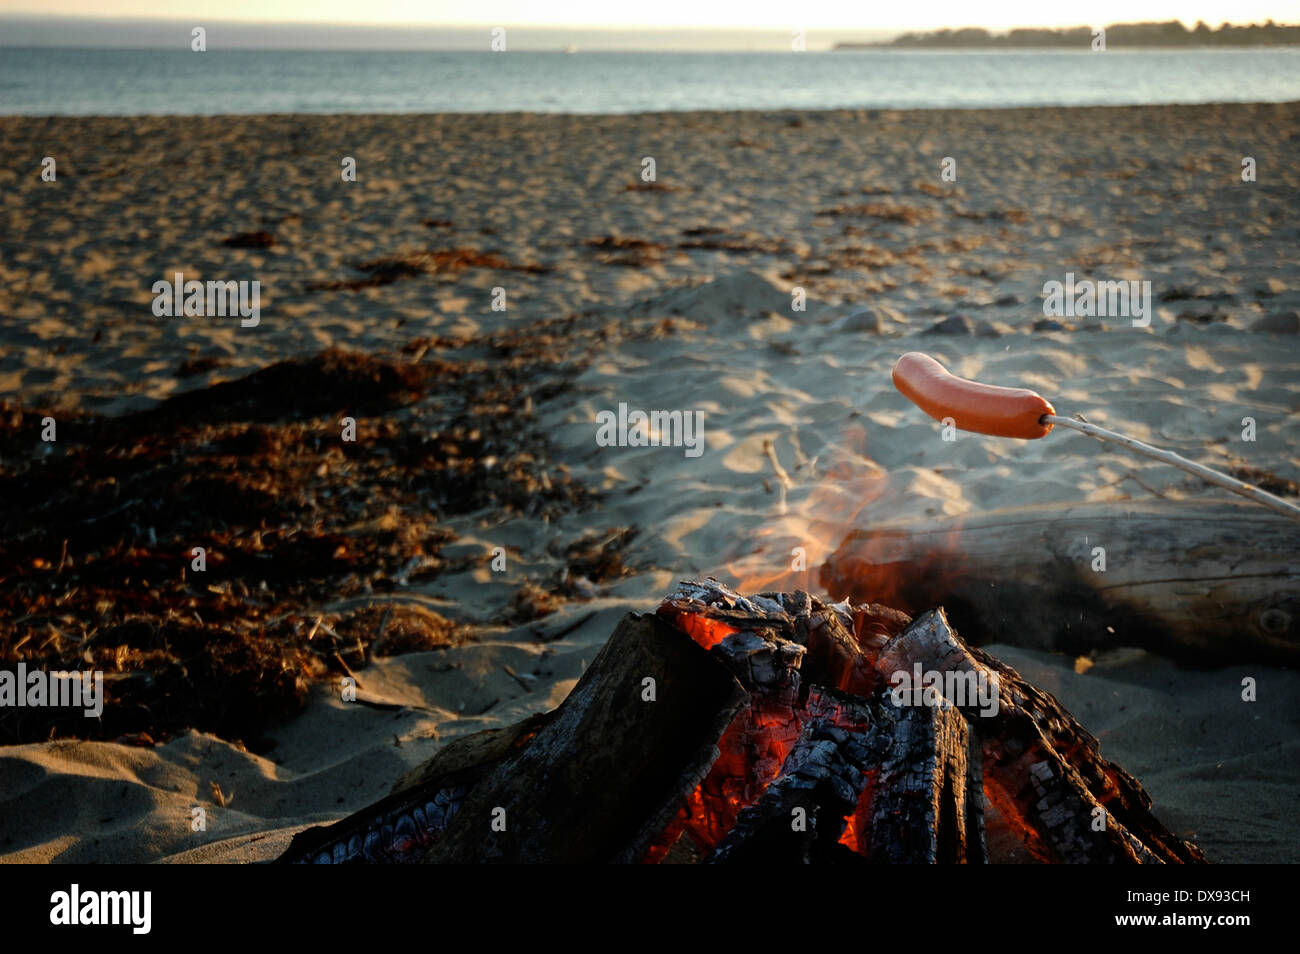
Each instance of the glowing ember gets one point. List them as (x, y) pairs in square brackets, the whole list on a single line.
[(707, 632), (770, 661)]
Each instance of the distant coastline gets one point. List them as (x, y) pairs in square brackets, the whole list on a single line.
[(1170, 34)]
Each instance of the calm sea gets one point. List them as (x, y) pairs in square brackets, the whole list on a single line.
[(117, 82)]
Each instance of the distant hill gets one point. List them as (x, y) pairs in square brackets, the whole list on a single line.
[(1170, 34)]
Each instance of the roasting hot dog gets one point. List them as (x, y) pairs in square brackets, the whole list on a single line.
[(982, 408)]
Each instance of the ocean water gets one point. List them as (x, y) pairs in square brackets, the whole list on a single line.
[(49, 81)]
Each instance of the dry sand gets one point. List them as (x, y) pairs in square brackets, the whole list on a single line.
[(689, 284)]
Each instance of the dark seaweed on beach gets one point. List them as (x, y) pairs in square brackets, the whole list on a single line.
[(624, 250), (251, 240), (98, 530), (598, 557), (1266, 480), (904, 214), (441, 263)]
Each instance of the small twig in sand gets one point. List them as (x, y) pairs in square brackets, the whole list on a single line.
[(800, 458), (1130, 475), (55, 634), (377, 643), (784, 482), (375, 600), (344, 666), (562, 631), (781, 475), (517, 678)]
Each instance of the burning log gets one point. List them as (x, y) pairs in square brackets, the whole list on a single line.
[(927, 804), (1213, 583), (883, 782), (1041, 768), (777, 727), (801, 815)]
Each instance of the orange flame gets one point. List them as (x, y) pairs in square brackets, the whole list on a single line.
[(906, 570), (845, 486)]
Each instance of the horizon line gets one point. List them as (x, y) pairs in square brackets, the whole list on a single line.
[(610, 28)]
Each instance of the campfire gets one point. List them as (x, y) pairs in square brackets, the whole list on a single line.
[(777, 727)]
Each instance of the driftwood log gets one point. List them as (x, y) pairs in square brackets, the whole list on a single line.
[(731, 730), (1202, 583)]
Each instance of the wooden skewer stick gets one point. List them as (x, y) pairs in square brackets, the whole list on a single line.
[(1174, 460)]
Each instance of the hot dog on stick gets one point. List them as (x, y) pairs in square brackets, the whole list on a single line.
[(1019, 412), (982, 408)]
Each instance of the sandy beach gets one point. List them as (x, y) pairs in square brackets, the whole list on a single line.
[(766, 278)]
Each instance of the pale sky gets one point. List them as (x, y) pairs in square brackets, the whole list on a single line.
[(753, 14)]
